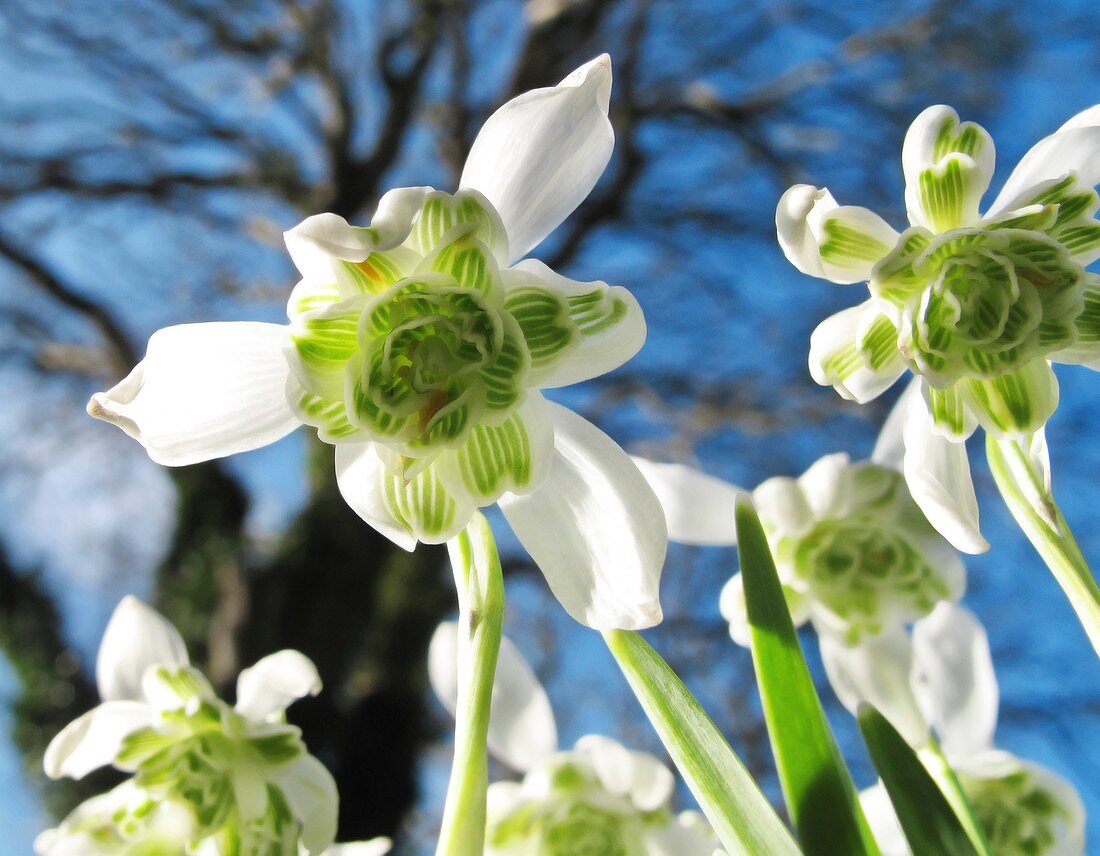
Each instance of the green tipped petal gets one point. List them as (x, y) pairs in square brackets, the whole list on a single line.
[(855, 351), (423, 506), (505, 377), (511, 457), (1086, 350), (1017, 403), (950, 416), (462, 256), (441, 212), (328, 416), (322, 343), (378, 272), (548, 329)]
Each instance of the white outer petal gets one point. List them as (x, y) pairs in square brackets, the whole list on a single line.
[(1072, 148), (266, 689), (783, 506), (731, 603), (827, 485), (698, 508), (890, 446), (792, 227), (311, 792), (938, 474), (883, 821), (522, 730), (595, 529), (137, 636), (877, 671), (94, 739), (954, 680), (537, 157), (358, 475), (204, 391)]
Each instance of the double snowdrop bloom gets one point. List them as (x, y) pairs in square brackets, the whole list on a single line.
[(976, 306), (240, 775), (854, 552), (129, 821), (598, 799), (418, 346), (942, 679)]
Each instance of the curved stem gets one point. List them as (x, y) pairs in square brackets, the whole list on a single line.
[(1024, 484), (481, 617), (941, 770)]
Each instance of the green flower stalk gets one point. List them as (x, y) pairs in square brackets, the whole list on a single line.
[(975, 306)]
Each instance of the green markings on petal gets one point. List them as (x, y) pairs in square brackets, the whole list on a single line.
[(878, 343), (544, 318), (597, 310), (846, 245), (895, 278), (966, 138), (949, 412), (504, 378), (465, 258), (312, 297), (1075, 226), (949, 192), (442, 212), (1017, 403), (499, 458), (380, 270), (422, 505), (323, 343), (328, 416)]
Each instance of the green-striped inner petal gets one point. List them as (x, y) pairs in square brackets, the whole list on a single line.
[(504, 377), (442, 212), (310, 297), (1018, 402), (324, 343), (943, 193), (468, 260), (421, 504), (879, 343), (376, 274), (543, 316), (597, 310), (328, 416), (845, 244), (495, 459), (948, 410)]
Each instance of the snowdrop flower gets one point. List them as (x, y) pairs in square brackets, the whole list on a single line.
[(942, 679), (976, 306), (125, 821), (240, 773), (597, 798), (854, 553), (418, 346)]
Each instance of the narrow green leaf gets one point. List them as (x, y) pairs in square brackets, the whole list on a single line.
[(740, 814), (929, 823), (816, 784)]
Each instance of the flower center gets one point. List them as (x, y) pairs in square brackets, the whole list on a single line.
[(1018, 815), (585, 831), (860, 572), (980, 302)]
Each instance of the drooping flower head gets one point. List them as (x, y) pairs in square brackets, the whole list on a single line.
[(853, 551), (239, 775), (418, 346), (942, 680), (975, 306), (599, 798)]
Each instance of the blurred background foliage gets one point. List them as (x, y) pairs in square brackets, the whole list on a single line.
[(152, 153)]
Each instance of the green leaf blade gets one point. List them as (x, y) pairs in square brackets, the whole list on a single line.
[(740, 814), (818, 789), (926, 818)]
